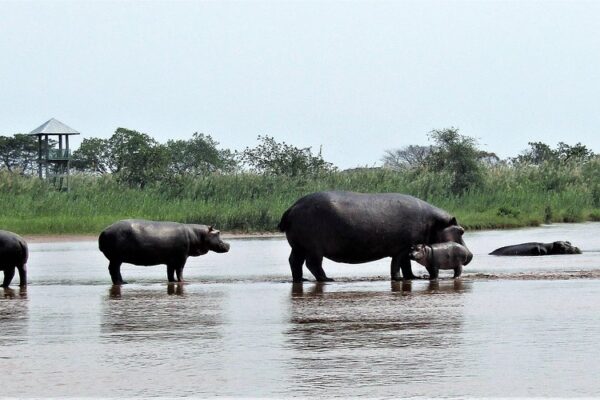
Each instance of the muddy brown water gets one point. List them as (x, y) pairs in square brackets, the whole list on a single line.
[(523, 326)]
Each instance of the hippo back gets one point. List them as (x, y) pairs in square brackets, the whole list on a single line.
[(144, 242)]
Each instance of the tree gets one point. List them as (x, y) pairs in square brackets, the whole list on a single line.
[(540, 153), (93, 155), (136, 158), (576, 153), (19, 153), (273, 158), (458, 156), (408, 157), (537, 154), (198, 156)]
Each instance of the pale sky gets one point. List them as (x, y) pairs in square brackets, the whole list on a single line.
[(354, 77)]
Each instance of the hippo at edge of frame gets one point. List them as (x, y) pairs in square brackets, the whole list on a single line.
[(13, 255), (142, 242), (537, 249), (356, 228), (448, 255)]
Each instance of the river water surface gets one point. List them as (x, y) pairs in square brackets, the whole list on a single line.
[(511, 326)]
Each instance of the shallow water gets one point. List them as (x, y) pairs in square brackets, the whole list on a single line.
[(518, 326)]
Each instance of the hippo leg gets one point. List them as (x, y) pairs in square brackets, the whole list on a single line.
[(114, 267), (179, 272), (314, 265), (9, 272), (434, 272), (457, 271), (395, 269), (296, 261), (405, 266), (22, 274)]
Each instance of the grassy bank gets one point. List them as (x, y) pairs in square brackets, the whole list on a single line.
[(509, 197)]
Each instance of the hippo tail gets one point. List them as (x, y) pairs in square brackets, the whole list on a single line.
[(284, 223)]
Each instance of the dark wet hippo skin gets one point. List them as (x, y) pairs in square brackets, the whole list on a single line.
[(537, 249), (449, 255), (13, 255), (142, 242), (356, 228)]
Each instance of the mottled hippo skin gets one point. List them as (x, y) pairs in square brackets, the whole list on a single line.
[(13, 255), (537, 249), (449, 255), (356, 228), (143, 242)]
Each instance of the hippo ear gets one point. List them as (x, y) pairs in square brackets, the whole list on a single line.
[(210, 228), (453, 221)]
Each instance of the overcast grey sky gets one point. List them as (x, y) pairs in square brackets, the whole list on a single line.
[(354, 77)]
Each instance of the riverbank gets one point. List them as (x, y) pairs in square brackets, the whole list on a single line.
[(249, 203)]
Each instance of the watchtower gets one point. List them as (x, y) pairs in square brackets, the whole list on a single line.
[(53, 162)]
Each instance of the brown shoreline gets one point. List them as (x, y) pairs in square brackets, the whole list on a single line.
[(92, 238)]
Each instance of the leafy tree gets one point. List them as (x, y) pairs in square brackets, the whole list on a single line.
[(19, 153), (405, 158), (539, 153), (576, 153), (198, 156), (273, 158), (136, 158), (458, 156), (93, 155)]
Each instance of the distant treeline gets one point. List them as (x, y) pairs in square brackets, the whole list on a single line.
[(132, 175)]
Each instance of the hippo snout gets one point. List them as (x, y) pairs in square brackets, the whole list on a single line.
[(222, 248), (469, 256)]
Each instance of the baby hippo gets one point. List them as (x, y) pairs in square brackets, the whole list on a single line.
[(448, 255)]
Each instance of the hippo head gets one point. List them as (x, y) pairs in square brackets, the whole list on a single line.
[(212, 240), (419, 253), (564, 248)]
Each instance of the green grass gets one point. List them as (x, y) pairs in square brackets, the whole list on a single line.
[(508, 198)]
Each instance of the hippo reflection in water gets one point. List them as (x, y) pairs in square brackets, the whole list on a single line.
[(356, 228), (142, 242), (537, 249)]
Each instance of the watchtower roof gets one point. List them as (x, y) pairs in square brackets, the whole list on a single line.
[(53, 127)]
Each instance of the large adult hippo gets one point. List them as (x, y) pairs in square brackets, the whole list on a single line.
[(356, 228), (13, 254), (537, 249), (142, 242)]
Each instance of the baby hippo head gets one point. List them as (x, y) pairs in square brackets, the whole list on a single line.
[(420, 253), (213, 241)]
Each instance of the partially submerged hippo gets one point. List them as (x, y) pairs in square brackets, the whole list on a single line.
[(142, 242), (537, 249), (449, 255), (356, 228), (13, 254)]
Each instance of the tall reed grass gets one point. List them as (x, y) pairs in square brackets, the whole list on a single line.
[(509, 197)]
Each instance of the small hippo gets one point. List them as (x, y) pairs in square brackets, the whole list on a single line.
[(142, 242), (13, 254), (537, 249), (448, 255)]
